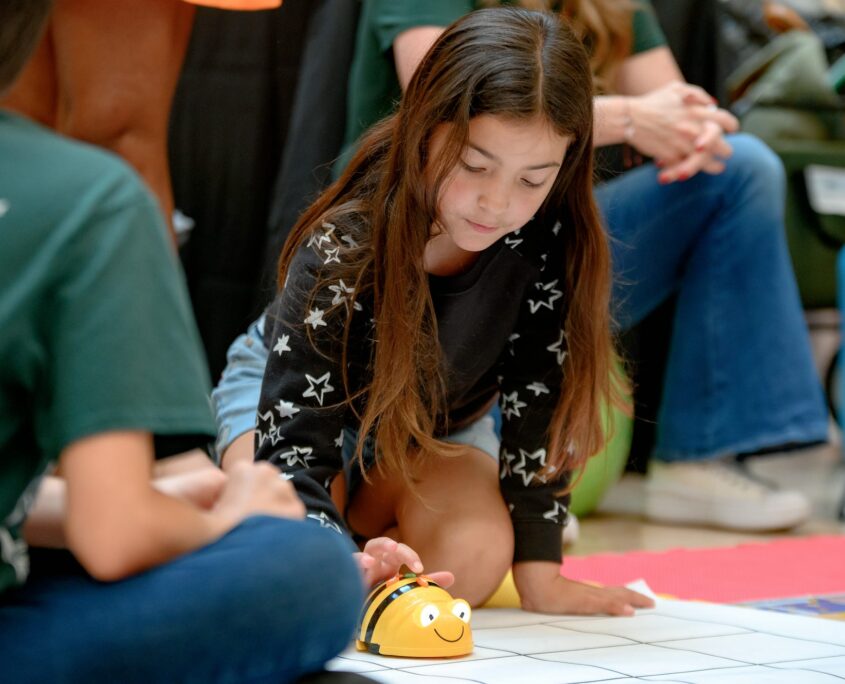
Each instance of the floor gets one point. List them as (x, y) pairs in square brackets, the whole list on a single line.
[(819, 473)]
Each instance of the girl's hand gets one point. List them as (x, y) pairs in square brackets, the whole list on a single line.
[(668, 123), (543, 590), (382, 557), (200, 487), (256, 489)]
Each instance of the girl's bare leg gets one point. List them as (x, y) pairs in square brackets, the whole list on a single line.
[(456, 519)]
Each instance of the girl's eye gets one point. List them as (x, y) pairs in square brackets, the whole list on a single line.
[(460, 609), (472, 169), (528, 184), (429, 614)]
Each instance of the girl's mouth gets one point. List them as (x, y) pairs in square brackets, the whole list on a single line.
[(481, 228)]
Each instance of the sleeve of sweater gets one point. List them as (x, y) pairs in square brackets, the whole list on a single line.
[(302, 409), (530, 386)]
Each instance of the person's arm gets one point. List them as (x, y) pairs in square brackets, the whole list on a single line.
[(118, 524), (241, 450), (302, 409), (410, 47), (531, 381)]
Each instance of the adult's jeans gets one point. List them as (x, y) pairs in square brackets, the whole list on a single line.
[(740, 376), (268, 602)]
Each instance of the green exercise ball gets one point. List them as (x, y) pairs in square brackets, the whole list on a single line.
[(605, 468)]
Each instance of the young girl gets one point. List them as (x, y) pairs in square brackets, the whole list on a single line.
[(459, 258)]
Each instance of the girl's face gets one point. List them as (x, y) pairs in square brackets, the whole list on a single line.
[(504, 174)]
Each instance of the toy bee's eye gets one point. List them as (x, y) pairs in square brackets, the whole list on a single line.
[(460, 609), (429, 614)]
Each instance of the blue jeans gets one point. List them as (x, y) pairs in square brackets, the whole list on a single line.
[(740, 376), (270, 601)]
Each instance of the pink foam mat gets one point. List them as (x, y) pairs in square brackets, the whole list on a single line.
[(781, 568)]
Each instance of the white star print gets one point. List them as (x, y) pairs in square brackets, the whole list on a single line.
[(549, 289), (272, 434), (339, 441), (557, 348), (538, 388), (286, 409), (342, 293), (507, 459), (513, 243), (556, 228), (285, 476), (325, 521), (315, 318), (349, 241), (511, 405), (282, 345), (544, 257), (519, 468), (332, 255), (558, 514), (298, 456), (330, 228), (317, 239), (314, 387), (513, 338)]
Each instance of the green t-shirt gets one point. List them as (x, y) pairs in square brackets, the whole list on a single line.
[(96, 331), (373, 85)]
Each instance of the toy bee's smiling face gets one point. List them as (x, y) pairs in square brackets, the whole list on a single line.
[(412, 616)]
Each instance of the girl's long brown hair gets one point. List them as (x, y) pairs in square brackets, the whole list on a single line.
[(603, 25), (504, 62)]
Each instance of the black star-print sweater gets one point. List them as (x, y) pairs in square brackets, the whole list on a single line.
[(500, 328)]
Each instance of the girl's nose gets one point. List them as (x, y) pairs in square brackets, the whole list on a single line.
[(494, 198)]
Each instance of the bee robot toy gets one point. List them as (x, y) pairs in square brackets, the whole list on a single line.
[(409, 615)]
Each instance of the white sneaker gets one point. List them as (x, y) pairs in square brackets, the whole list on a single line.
[(625, 497), (571, 530), (720, 494)]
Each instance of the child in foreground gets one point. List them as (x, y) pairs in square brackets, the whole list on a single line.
[(458, 258), (200, 578)]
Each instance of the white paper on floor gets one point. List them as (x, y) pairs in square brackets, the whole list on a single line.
[(677, 641)]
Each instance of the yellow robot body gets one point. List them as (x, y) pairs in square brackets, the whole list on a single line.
[(411, 616)]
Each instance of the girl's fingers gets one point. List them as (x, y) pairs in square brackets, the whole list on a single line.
[(442, 577), (380, 546), (405, 554)]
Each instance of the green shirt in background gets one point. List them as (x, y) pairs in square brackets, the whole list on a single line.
[(373, 84), (96, 330)]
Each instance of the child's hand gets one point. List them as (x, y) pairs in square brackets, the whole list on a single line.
[(257, 489), (382, 557), (201, 487), (543, 590)]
